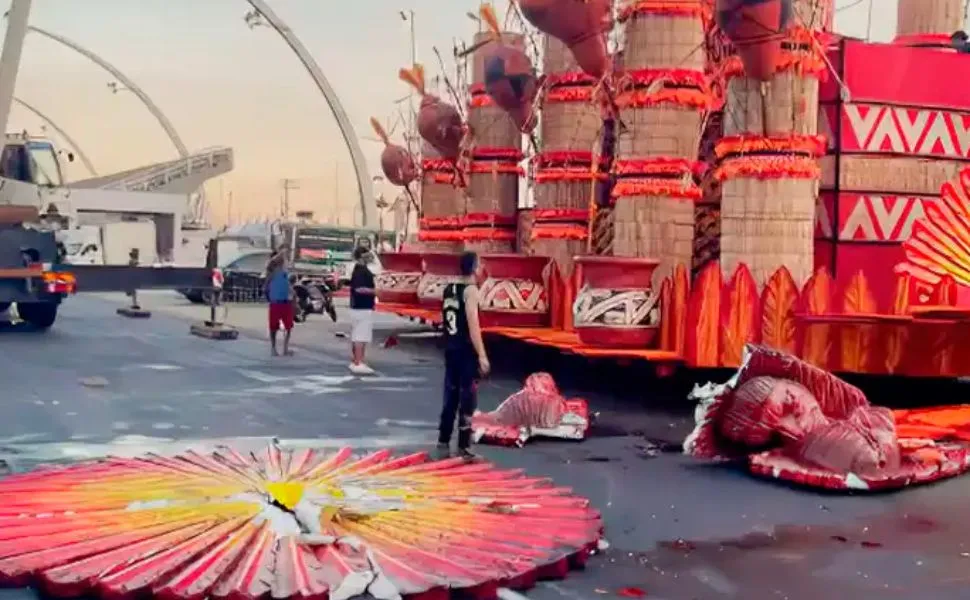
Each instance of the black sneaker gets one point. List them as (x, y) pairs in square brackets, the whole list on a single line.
[(467, 454), (442, 451)]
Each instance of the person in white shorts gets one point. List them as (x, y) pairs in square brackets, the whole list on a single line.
[(362, 298)]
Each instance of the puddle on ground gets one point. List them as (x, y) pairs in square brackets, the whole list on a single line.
[(920, 553)]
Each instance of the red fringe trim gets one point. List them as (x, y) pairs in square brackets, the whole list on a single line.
[(671, 167), (477, 88), (804, 65), (437, 164), (488, 220), (480, 101), (496, 168), (487, 234), (442, 178), (656, 187), (560, 214), (441, 223), (565, 158), (685, 98), (663, 8), (676, 78), (570, 94), (569, 78), (769, 167), (503, 154), (556, 174), (812, 145), (559, 232), (440, 236)]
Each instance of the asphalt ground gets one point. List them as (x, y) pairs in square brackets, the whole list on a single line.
[(100, 384)]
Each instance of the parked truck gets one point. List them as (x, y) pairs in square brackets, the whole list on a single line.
[(110, 244), (35, 211)]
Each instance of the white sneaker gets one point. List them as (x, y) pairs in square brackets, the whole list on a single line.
[(361, 369)]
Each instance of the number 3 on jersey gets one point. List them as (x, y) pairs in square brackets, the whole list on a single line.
[(451, 322)]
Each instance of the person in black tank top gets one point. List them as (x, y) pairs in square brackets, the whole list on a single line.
[(465, 358)]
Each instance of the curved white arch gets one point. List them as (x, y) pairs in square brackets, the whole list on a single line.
[(128, 83), (367, 209), (67, 138)]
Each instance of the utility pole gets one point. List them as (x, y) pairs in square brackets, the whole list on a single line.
[(288, 184), (229, 210), (13, 47)]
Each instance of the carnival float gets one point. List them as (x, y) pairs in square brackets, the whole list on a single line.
[(705, 175), (710, 176)]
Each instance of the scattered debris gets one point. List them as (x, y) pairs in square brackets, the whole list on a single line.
[(390, 342), (651, 448), (631, 592), (94, 382)]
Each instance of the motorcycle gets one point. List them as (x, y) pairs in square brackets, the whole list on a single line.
[(314, 297)]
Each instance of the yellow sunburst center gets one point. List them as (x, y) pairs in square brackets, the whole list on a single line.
[(286, 493)]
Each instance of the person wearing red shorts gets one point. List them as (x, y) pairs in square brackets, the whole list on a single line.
[(280, 296)]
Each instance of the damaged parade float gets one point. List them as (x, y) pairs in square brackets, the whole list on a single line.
[(713, 184), (720, 184)]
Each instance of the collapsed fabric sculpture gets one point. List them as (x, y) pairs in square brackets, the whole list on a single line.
[(538, 409), (396, 162), (797, 422)]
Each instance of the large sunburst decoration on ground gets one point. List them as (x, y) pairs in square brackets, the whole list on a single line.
[(287, 524)]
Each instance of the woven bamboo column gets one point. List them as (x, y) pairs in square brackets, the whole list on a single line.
[(663, 98), (494, 172), (442, 204), (768, 167), (563, 173), (928, 17)]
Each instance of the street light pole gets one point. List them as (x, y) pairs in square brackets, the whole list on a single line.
[(263, 14), (128, 84), (64, 135)]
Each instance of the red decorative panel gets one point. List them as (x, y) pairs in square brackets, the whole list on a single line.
[(884, 129), (869, 217), (899, 75)]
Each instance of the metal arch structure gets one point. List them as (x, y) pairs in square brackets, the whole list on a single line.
[(367, 209), (67, 138), (128, 83)]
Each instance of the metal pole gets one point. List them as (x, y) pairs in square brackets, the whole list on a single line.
[(128, 83), (13, 47), (869, 23), (288, 184), (67, 138), (330, 95)]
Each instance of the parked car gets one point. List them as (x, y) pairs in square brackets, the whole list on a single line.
[(244, 279)]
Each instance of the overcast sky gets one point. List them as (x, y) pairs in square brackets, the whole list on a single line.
[(224, 84)]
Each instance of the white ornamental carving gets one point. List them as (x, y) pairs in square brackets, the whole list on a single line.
[(597, 307), (398, 282), (513, 295), (432, 287)]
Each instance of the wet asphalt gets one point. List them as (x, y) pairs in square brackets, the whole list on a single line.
[(100, 384)]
